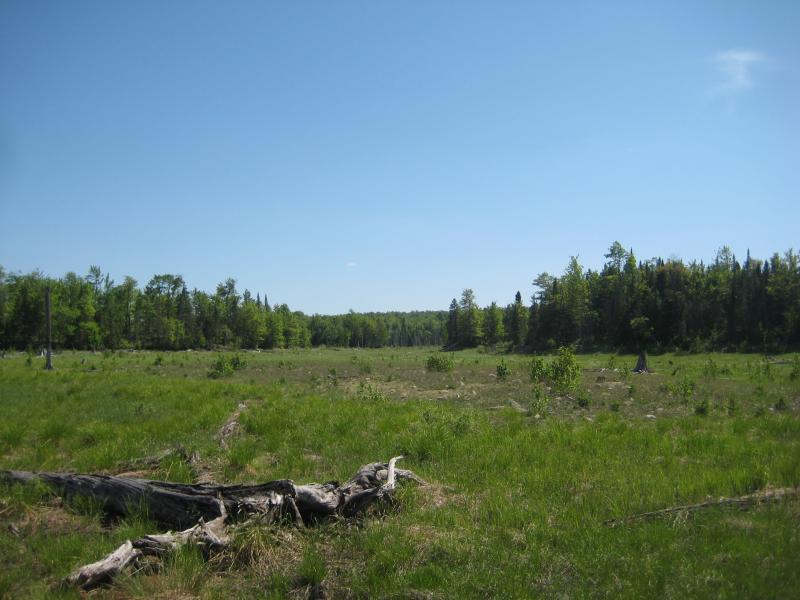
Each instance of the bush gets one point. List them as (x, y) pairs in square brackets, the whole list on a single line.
[(540, 400), (224, 366), (503, 370), (538, 369), (441, 363), (367, 393), (565, 372), (238, 362), (710, 369)]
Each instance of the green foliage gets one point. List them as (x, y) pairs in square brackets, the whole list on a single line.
[(503, 370), (684, 388), (540, 400), (538, 369), (564, 371), (367, 393), (224, 366), (441, 363), (238, 362), (710, 368), (630, 304)]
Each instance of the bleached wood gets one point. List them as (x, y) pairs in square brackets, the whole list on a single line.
[(203, 512)]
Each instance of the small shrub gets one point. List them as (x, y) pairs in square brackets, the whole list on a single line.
[(614, 406), (224, 366), (538, 369), (685, 389), (582, 399), (780, 404), (540, 400), (710, 369), (503, 370), (158, 361), (564, 371), (766, 368), (333, 377), (440, 363), (238, 362), (367, 393)]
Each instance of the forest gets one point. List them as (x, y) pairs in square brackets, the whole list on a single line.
[(629, 304)]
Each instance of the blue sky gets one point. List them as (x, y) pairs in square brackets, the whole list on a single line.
[(378, 155)]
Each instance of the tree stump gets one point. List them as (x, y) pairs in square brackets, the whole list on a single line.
[(641, 363)]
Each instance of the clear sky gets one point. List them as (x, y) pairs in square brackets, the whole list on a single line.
[(386, 155)]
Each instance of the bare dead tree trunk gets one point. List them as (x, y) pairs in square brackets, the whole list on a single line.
[(49, 361), (641, 363), (203, 512)]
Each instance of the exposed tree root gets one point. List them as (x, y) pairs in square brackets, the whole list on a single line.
[(204, 512), (740, 502)]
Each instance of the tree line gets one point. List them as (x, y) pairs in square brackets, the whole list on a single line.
[(629, 304), (652, 304), (93, 312)]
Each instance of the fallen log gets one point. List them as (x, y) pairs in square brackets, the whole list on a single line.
[(209, 537), (202, 512), (741, 502)]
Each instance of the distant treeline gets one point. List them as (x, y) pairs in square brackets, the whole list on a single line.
[(652, 304), (94, 312), (627, 305)]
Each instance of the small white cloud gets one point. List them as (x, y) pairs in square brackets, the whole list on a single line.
[(736, 68), (350, 264)]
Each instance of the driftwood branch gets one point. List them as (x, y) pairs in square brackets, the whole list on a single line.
[(202, 512), (740, 502)]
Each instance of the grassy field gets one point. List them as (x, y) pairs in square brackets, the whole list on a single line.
[(523, 475)]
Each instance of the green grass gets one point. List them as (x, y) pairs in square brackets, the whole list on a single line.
[(518, 500)]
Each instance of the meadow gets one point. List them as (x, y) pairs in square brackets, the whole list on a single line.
[(522, 475)]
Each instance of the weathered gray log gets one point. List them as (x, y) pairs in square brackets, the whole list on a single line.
[(205, 510), (210, 537), (182, 505), (178, 505)]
